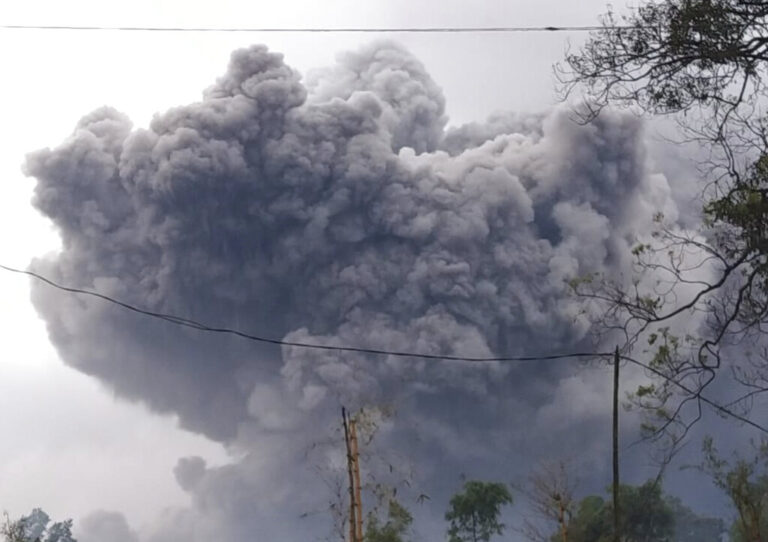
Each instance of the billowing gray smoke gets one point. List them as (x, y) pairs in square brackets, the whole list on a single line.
[(337, 211)]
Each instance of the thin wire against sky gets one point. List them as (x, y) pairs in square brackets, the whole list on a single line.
[(350, 30)]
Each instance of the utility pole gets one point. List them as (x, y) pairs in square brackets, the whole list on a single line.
[(353, 469), (616, 533)]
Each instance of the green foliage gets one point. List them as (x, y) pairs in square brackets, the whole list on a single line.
[(745, 208), (641, 248), (13, 531), (643, 391), (474, 513), (690, 527), (745, 481), (673, 55), (646, 516), (36, 527), (591, 523), (577, 282), (394, 529), (667, 347)]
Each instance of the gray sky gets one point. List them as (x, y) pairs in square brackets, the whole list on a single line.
[(76, 447)]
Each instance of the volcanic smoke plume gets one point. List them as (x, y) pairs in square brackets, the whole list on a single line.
[(338, 211)]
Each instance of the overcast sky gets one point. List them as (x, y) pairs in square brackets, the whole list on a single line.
[(72, 443)]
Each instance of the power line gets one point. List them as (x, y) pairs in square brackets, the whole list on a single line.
[(717, 406), (318, 30), (185, 322)]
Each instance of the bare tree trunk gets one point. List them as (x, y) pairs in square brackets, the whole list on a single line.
[(561, 519)]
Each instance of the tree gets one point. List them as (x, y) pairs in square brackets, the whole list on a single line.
[(385, 471), (550, 494), (703, 61), (677, 56), (474, 514), (647, 516), (591, 523), (746, 484), (13, 531), (36, 527), (690, 527), (394, 529)]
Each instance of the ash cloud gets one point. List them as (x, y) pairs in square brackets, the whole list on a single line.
[(103, 526), (339, 210)]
